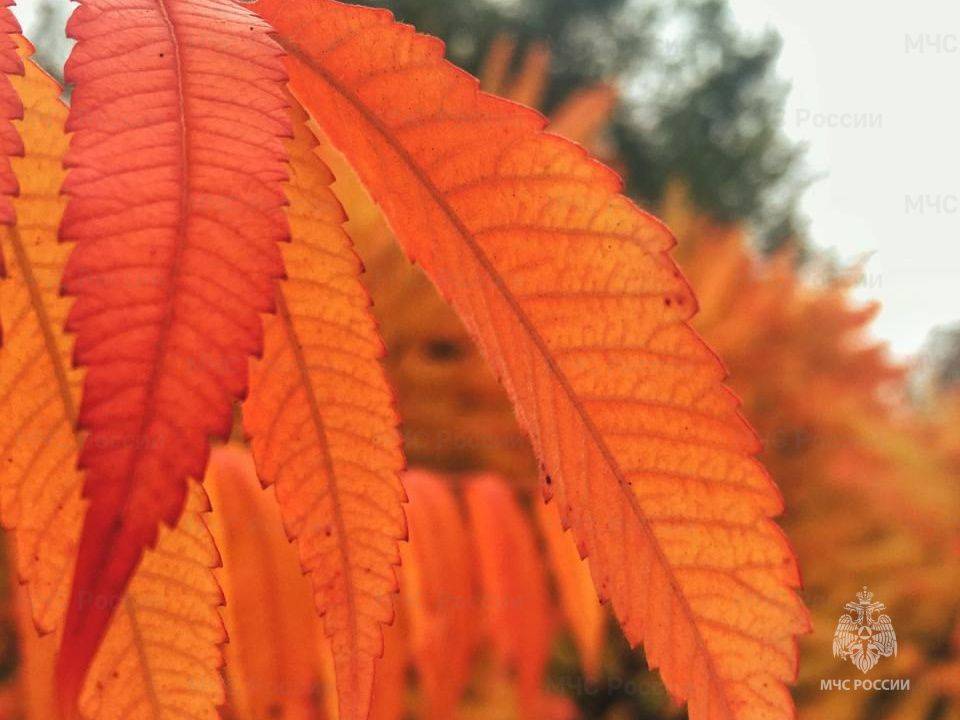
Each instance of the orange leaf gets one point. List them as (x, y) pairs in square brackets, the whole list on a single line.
[(439, 593), (36, 656), (272, 657), (456, 416), (514, 596), (39, 391), (571, 294), (530, 83), (176, 206), (578, 598), (161, 656), (11, 109), (584, 114), (497, 62), (323, 429)]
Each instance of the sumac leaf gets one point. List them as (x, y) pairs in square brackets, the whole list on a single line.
[(323, 428), (570, 292), (175, 204)]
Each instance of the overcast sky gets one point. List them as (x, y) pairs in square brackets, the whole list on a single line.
[(874, 90), (875, 97)]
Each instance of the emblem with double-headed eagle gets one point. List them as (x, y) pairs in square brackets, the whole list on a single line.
[(863, 636)]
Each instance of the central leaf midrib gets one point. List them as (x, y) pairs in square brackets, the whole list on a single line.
[(176, 262), (296, 348), (46, 327)]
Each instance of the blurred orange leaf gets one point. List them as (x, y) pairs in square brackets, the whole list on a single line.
[(273, 657), (439, 590), (515, 607), (578, 598)]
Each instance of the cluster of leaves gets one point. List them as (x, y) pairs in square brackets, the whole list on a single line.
[(194, 229), (869, 476)]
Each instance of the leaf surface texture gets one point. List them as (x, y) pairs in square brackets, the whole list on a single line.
[(571, 294), (39, 390), (323, 428), (161, 656), (175, 204)]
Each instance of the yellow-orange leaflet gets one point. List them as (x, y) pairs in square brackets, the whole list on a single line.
[(272, 657), (323, 428), (570, 292), (39, 390), (161, 654)]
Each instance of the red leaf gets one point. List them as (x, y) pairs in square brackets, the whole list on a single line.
[(176, 194), (10, 109)]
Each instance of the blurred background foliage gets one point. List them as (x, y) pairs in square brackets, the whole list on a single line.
[(865, 449), (699, 100)]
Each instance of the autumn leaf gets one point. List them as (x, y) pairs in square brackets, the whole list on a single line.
[(516, 606), (495, 70), (530, 82), (39, 390), (456, 417), (439, 592), (323, 428), (584, 114), (11, 108), (161, 651), (580, 116), (571, 294), (389, 698), (273, 654), (160, 658), (175, 205)]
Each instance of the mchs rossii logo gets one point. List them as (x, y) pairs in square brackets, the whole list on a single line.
[(864, 633)]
